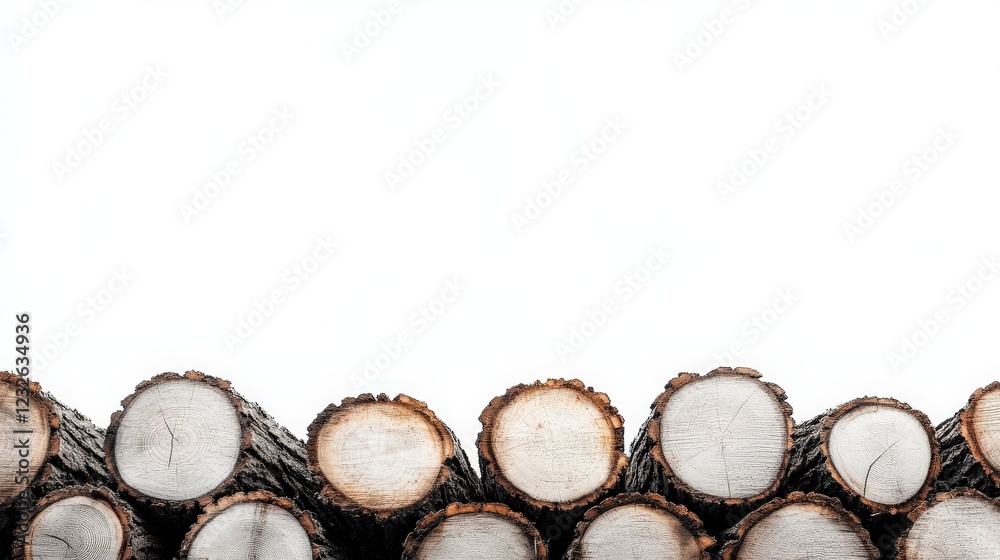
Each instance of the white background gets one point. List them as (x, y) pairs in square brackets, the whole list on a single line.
[(688, 122)]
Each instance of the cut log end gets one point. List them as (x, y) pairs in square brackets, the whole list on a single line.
[(37, 425), (256, 525), (724, 435), (177, 438), (981, 428), (801, 526), (882, 450), (554, 444), (77, 527), (958, 525), (381, 455), (645, 525), (474, 532)]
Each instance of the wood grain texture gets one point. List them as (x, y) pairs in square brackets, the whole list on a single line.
[(182, 441), (258, 526), (717, 443), (66, 449), (90, 523), (477, 531), (550, 450), (970, 444), (798, 527), (639, 527), (960, 525), (385, 464)]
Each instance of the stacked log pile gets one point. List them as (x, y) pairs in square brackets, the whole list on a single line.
[(189, 469)]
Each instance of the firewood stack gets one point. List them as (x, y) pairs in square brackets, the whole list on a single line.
[(189, 469)]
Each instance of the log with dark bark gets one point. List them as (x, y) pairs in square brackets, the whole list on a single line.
[(970, 444), (959, 525), (181, 441), (256, 525), (645, 525), (877, 456), (44, 448), (716, 443), (551, 450), (90, 523), (795, 527), (478, 531), (385, 464)]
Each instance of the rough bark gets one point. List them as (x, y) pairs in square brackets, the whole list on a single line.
[(812, 469), (797, 526), (65, 450), (371, 506), (963, 461), (554, 518), (646, 525), (650, 471), (962, 523), (268, 457), (140, 538), (477, 531), (257, 525)]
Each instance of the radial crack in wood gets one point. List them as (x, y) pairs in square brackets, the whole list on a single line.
[(478, 531), (639, 527), (716, 443), (959, 525), (796, 527)]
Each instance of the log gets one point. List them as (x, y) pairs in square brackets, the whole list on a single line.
[(182, 441), (551, 450), (970, 444), (956, 525), (385, 464), (716, 443), (256, 525), (477, 531), (90, 523), (64, 448), (646, 525), (795, 527)]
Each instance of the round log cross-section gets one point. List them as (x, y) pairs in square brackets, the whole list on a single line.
[(970, 444), (959, 525), (796, 527), (89, 523), (645, 525), (876, 455), (182, 441), (385, 464), (478, 531), (716, 443), (551, 450), (255, 525)]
